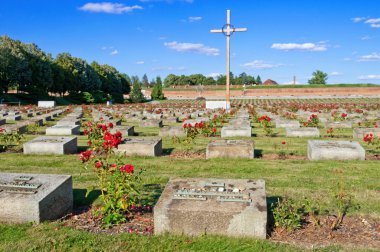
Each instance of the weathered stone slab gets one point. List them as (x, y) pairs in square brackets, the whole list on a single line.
[(240, 122), (19, 128), (232, 207), (172, 131), (218, 105), (194, 121), (46, 104), (63, 130), (335, 125), (230, 149), (124, 130), (151, 123), (34, 197), (51, 145), (141, 147), (236, 131), (68, 122), (334, 150), (281, 123), (302, 132), (361, 132)]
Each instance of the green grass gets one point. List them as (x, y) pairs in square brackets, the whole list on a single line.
[(293, 178)]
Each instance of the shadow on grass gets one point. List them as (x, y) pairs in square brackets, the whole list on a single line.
[(82, 148), (271, 204), (81, 199), (167, 151), (258, 153), (150, 194)]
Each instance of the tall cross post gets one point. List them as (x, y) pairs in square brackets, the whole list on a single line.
[(228, 29)]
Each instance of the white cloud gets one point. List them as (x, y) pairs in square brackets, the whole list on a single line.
[(347, 59), (358, 19), (371, 57), (365, 38), (335, 74), (372, 21), (141, 62), (194, 19), (370, 77), (114, 52), (259, 64), (190, 47), (108, 7), (213, 75), (300, 47)]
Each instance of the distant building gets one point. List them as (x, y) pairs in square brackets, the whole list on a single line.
[(270, 82)]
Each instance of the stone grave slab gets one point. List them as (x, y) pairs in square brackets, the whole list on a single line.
[(194, 121), (361, 132), (302, 132), (218, 105), (151, 123), (232, 207), (336, 125), (124, 130), (172, 131), (141, 147), (63, 130), (68, 122), (334, 150), (34, 197), (230, 149), (46, 104), (51, 145), (236, 131), (281, 123)]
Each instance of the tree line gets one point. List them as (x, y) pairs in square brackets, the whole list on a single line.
[(25, 67), (200, 79)]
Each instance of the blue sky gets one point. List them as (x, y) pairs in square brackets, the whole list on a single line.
[(285, 38)]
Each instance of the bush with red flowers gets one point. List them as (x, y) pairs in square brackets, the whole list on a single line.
[(118, 182), (370, 139), (312, 122), (265, 122)]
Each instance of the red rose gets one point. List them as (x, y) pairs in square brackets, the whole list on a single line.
[(127, 168), (110, 125), (283, 142), (98, 164)]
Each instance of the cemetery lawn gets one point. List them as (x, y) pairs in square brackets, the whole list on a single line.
[(293, 177)]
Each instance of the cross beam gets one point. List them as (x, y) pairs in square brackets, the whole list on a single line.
[(227, 30)]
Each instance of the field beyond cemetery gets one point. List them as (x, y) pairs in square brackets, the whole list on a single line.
[(279, 160)]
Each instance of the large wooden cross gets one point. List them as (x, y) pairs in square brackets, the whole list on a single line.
[(227, 30)]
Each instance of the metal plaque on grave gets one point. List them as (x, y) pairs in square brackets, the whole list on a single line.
[(20, 184)]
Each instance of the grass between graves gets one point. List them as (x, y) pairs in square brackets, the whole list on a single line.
[(295, 178)]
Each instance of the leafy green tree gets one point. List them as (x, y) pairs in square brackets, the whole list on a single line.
[(136, 95), (125, 83), (258, 80), (14, 67), (319, 77), (171, 80), (209, 81), (145, 80), (157, 93), (40, 65), (221, 79)]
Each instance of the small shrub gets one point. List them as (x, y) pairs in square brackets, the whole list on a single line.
[(287, 214)]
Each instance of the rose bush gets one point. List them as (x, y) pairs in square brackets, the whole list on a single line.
[(118, 182)]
